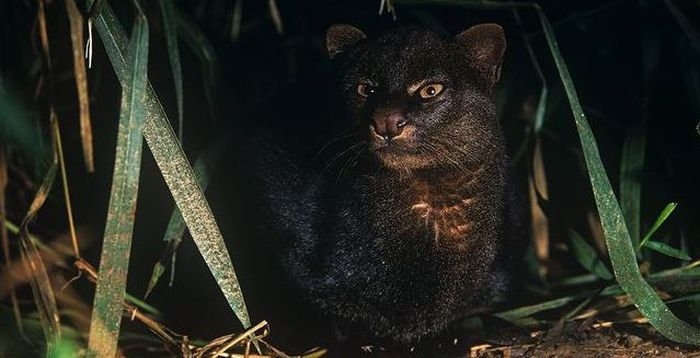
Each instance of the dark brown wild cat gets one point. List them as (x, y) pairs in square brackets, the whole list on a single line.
[(416, 227)]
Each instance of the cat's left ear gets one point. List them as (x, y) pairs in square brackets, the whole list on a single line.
[(484, 45), (340, 37)]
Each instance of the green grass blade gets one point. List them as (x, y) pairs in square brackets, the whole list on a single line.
[(34, 265), (587, 256), (144, 306), (667, 250), (199, 44), (167, 9), (177, 172), (665, 213), (526, 311), (687, 298), (116, 247), (631, 167), (622, 252), (203, 168), (76, 20)]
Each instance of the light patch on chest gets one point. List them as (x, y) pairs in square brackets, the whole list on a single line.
[(444, 206), (449, 221)]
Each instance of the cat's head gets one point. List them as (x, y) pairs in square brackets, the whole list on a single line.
[(419, 99)]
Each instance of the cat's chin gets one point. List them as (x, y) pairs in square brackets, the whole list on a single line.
[(405, 162)]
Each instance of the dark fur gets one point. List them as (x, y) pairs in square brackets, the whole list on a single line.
[(400, 240)]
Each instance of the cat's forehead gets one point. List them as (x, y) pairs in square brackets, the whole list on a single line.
[(404, 56)]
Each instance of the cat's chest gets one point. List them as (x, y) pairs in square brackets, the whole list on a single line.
[(442, 207)]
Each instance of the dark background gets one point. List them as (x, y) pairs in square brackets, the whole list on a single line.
[(631, 61)]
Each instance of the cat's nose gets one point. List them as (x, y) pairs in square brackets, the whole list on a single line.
[(389, 125)]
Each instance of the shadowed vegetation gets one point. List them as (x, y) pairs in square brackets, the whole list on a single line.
[(116, 118)]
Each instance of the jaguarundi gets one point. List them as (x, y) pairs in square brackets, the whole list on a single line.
[(407, 224)]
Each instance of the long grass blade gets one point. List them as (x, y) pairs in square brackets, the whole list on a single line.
[(526, 311), (116, 247), (658, 246), (660, 220), (177, 172), (43, 32), (167, 9), (631, 166), (66, 192), (587, 256), (667, 250), (39, 279), (275, 15), (203, 168), (620, 248), (77, 40), (199, 44), (236, 18), (622, 252)]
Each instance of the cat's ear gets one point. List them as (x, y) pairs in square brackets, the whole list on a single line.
[(340, 37), (484, 45)]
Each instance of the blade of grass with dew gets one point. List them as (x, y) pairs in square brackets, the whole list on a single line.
[(167, 10), (631, 166), (587, 256), (660, 220), (77, 40), (43, 33), (236, 17), (177, 172), (571, 314), (144, 306), (692, 297), (116, 247), (526, 311), (39, 279), (275, 16), (199, 44), (66, 191), (203, 168), (622, 252), (667, 250)]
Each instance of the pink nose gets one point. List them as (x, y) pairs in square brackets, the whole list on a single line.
[(388, 125)]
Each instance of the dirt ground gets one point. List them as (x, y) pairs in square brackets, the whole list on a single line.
[(588, 339), (578, 339)]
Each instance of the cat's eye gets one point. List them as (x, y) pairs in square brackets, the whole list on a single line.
[(365, 90), (431, 90)]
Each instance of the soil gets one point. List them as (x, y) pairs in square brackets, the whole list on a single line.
[(577, 339), (587, 340)]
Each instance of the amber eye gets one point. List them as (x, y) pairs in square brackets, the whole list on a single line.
[(365, 90), (430, 90)]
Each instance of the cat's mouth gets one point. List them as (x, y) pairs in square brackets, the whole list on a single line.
[(401, 161), (399, 153)]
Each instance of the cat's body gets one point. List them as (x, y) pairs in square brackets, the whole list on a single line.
[(412, 229)]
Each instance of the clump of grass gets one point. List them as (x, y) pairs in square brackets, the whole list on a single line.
[(599, 292)]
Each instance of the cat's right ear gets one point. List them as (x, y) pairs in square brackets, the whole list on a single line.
[(340, 37), (484, 45)]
